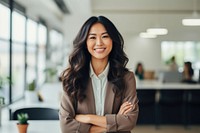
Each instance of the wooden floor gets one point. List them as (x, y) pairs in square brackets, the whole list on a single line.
[(166, 129)]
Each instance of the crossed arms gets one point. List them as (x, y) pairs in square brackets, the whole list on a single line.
[(121, 118), (98, 123)]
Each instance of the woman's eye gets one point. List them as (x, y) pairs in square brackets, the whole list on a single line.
[(106, 36), (92, 37)]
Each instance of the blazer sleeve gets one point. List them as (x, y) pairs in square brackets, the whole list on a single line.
[(116, 122), (67, 115)]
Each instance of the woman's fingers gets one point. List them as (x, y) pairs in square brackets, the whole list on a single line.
[(125, 108), (125, 104)]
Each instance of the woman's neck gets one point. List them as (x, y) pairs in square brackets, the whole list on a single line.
[(99, 66)]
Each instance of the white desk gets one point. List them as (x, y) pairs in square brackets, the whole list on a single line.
[(34, 127), (155, 84), (51, 93)]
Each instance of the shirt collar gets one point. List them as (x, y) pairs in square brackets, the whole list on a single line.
[(103, 74)]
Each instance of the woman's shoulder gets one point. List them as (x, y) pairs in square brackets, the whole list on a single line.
[(129, 74)]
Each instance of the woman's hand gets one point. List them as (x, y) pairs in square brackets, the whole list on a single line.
[(97, 129), (125, 108)]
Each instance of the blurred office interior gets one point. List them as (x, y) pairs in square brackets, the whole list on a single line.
[(36, 39)]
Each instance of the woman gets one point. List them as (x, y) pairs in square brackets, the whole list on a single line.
[(139, 71), (99, 92), (188, 73)]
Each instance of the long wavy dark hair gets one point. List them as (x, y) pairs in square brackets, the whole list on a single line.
[(75, 78)]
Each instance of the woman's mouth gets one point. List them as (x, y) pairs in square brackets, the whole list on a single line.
[(99, 50)]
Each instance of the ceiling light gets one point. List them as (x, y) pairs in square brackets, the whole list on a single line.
[(147, 35), (191, 22), (194, 20), (157, 31)]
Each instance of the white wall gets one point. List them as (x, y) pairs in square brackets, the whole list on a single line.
[(142, 50), (72, 25)]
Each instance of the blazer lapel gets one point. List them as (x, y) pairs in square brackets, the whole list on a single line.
[(110, 95), (90, 98)]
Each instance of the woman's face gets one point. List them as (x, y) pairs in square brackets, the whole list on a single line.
[(99, 43), (140, 69)]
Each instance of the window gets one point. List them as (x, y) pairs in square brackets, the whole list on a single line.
[(54, 55), (4, 69), (18, 71), (5, 22), (18, 27), (31, 32), (18, 55), (31, 56), (31, 50), (42, 40), (4, 51), (56, 46)]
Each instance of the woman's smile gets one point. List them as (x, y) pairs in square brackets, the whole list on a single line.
[(99, 50)]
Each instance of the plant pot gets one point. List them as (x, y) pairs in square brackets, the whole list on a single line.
[(22, 128), (31, 96)]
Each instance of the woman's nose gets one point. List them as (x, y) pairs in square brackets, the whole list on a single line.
[(99, 41)]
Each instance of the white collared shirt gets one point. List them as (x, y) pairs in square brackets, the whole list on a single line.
[(99, 88)]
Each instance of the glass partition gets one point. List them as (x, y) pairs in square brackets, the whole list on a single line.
[(42, 40), (18, 71), (4, 22), (18, 55)]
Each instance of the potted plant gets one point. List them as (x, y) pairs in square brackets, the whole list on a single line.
[(32, 86), (22, 122), (1, 95), (3, 83), (51, 74), (31, 93)]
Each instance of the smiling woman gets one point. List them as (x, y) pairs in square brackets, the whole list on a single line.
[(99, 91), (99, 45)]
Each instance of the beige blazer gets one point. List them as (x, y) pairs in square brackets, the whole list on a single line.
[(115, 123)]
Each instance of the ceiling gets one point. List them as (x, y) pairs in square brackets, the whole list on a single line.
[(130, 16), (135, 16)]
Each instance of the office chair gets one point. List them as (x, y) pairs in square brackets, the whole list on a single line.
[(38, 113)]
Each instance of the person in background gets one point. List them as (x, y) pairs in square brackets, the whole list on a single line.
[(99, 92), (172, 64), (139, 71), (188, 73)]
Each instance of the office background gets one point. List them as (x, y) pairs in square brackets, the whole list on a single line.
[(36, 37)]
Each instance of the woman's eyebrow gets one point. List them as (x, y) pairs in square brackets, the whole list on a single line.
[(105, 33), (96, 34), (91, 34)]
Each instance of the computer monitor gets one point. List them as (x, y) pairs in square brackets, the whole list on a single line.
[(172, 77)]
